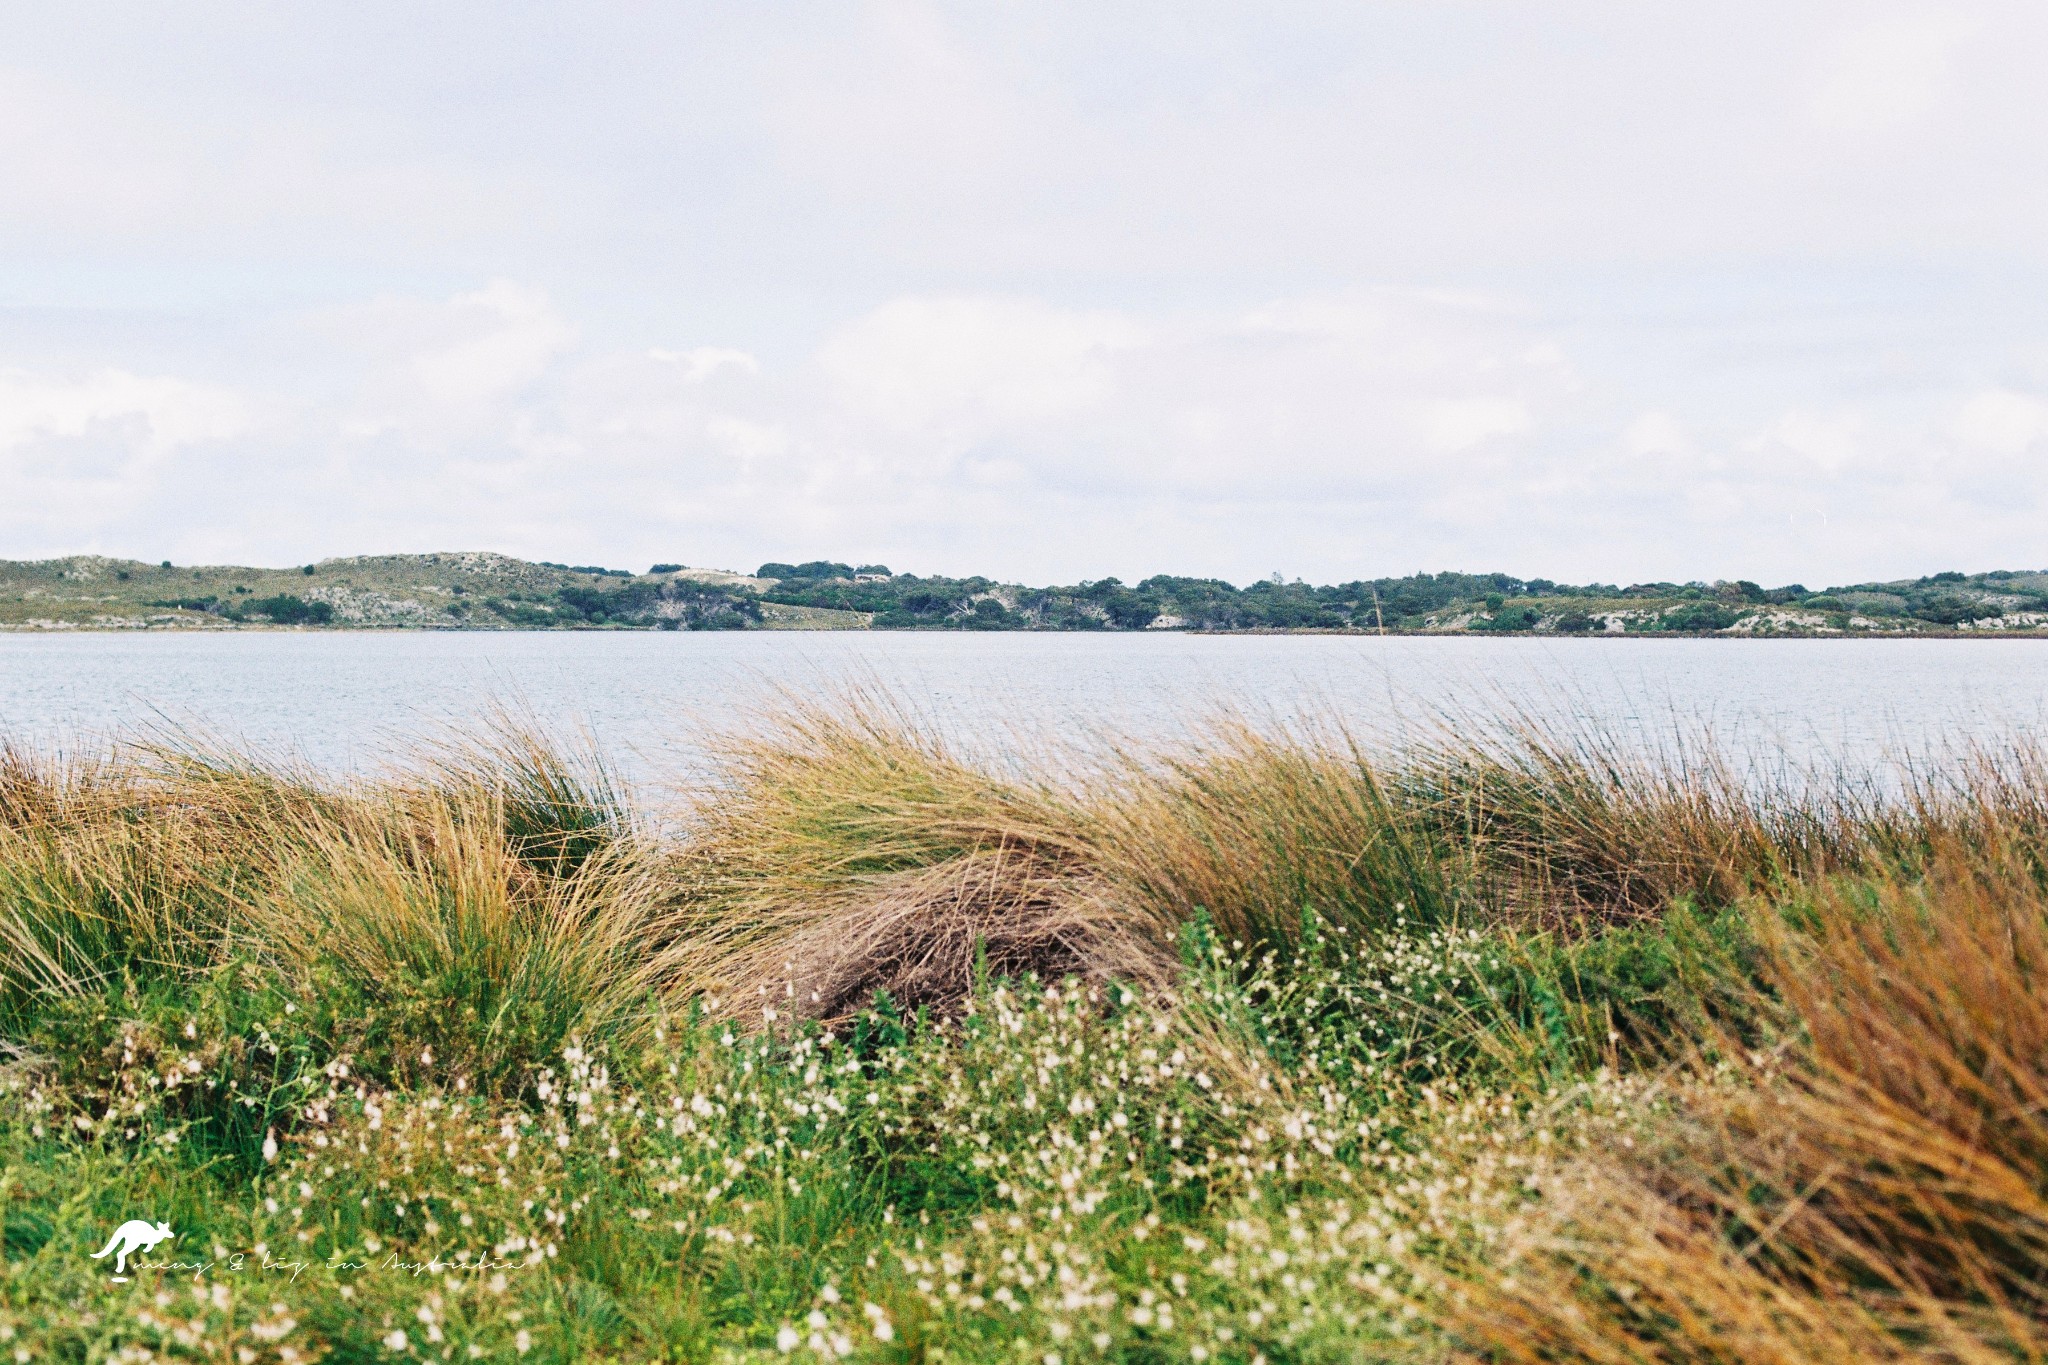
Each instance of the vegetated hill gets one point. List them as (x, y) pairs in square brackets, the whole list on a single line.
[(445, 591), (481, 591)]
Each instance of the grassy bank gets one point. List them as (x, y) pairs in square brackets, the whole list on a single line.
[(1262, 1048)]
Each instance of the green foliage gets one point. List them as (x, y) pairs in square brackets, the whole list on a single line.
[(283, 609), (815, 569), (679, 603), (287, 610), (1698, 617), (1373, 1010), (1948, 610), (1566, 1003), (206, 1066), (595, 570), (911, 601), (516, 613), (1511, 618)]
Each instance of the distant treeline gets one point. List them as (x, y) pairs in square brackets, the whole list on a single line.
[(1474, 602)]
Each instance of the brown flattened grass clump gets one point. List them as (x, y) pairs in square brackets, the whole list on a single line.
[(846, 852), (927, 937)]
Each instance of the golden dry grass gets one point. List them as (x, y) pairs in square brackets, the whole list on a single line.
[(1874, 1186)]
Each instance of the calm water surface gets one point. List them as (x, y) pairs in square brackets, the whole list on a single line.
[(352, 700)]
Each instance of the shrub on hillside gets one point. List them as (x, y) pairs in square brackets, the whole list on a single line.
[(1698, 617), (286, 610)]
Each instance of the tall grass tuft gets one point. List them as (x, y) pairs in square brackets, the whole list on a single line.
[(1570, 827), (1874, 1187), (557, 807), (109, 871), (490, 910), (427, 922), (1255, 829)]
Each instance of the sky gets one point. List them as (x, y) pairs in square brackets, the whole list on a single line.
[(1593, 291)]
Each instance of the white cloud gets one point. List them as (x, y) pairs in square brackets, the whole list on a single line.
[(701, 362), (1655, 433), (509, 335), (970, 363), (1333, 434), (1348, 391), (1888, 72), (748, 440), (1830, 441), (1463, 423), (2002, 421), (146, 415), (1043, 290), (81, 454), (441, 372), (91, 160)]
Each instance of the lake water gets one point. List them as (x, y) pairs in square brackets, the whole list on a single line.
[(353, 700)]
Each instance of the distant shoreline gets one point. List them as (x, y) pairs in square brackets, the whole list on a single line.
[(1264, 632), (485, 591)]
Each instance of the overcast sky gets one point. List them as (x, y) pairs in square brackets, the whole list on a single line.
[(1049, 291)]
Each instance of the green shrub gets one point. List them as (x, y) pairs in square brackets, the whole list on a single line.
[(287, 610)]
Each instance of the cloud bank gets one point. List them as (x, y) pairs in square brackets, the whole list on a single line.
[(1193, 289)]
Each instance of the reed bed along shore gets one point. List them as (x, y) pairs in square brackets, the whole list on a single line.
[(1262, 1047)]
